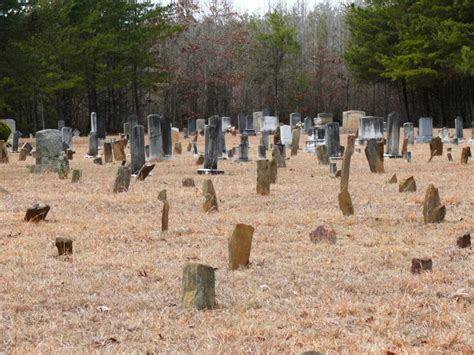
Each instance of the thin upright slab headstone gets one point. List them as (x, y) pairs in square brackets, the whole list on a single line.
[(346, 162), (374, 157), (93, 122), (66, 134), (137, 148), (166, 137), (295, 140), (263, 177), (459, 127), (444, 134), (244, 147), (242, 122), (250, 129), (332, 140), (285, 135), (165, 216), (308, 125), (211, 150), (63, 166), (273, 171), (15, 141), (198, 287), (425, 130), (370, 127), (126, 128), (48, 150), (393, 135), (276, 153), (155, 140), (210, 198), (61, 124), (108, 156), (93, 144), (433, 210), (295, 118), (409, 132), (122, 180), (240, 244), (76, 176), (191, 125), (465, 155)]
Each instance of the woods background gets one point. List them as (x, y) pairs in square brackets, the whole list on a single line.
[(62, 59)]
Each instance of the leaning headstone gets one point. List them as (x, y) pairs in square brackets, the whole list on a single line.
[(122, 180), (119, 149), (155, 139), (465, 154), (345, 202), (421, 264), (64, 246), (407, 184), (409, 132), (145, 171), (63, 166), (37, 212), (436, 147), (458, 124), (210, 198), (346, 162), (211, 149), (425, 130), (93, 144), (373, 157), (76, 176), (137, 148), (370, 127), (240, 244), (393, 135), (295, 141), (285, 135), (433, 210), (48, 150), (198, 287), (263, 177), (333, 144)]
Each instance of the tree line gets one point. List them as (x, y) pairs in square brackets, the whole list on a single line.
[(62, 59)]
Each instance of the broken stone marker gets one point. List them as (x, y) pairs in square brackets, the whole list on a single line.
[(393, 179), (407, 185), (433, 210), (122, 180), (37, 213), (64, 246), (436, 147), (464, 241), (164, 216), (421, 264), (466, 153), (321, 234), (198, 287), (263, 177), (63, 166), (76, 176), (145, 171), (210, 198), (240, 244), (345, 202), (372, 152), (188, 182)]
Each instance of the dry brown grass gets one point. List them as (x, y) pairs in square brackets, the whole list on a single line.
[(357, 295)]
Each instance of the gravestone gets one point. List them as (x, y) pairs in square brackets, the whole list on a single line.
[(200, 124), (167, 139), (198, 287), (132, 122), (63, 166), (145, 171), (373, 155), (100, 128), (155, 139), (407, 184), (66, 137), (465, 154), (409, 132), (308, 125), (122, 179), (425, 130), (264, 139), (126, 129), (93, 144), (273, 171), (61, 124), (118, 147), (444, 134), (280, 161), (210, 198), (15, 141), (76, 176), (332, 140), (262, 152), (263, 177), (323, 119), (39, 211), (12, 125), (393, 135), (346, 162), (48, 150), (211, 150), (433, 210), (345, 202), (269, 123), (137, 148), (370, 127), (285, 135), (421, 264), (178, 149), (226, 124), (295, 118), (191, 126), (244, 147), (242, 122), (458, 124), (240, 244), (108, 156), (351, 119), (322, 154), (64, 246), (257, 120), (436, 147), (188, 182), (93, 122), (250, 126), (295, 141)]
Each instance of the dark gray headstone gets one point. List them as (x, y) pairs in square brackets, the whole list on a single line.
[(332, 139), (155, 137), (393, 135), (211, 151), (137, 148), (166, 137), (93, 144)]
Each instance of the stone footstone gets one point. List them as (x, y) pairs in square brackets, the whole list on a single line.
[(70, 154), (122, 180), (345, 202), (165, 216), (23, 154), (280, 161), (449, 156), (393, 179), (76, 176), (37, 213), (407, 157), (145, 171), (322, 154), (263, 177), (3, 153), (321, 234), (407, 184), (464, 241), (273, 171), (64, 246), (97, 161), (178, 148), (465, 154), (436, 147), (162, 196), (188, 182), (63, 166), (372, 152), (200, 159), (332, 169), (190, 145), (240, 244), (210, 198), (198, 287), (433, 210), (421, 264)]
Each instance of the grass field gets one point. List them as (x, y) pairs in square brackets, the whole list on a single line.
[(120, 292)]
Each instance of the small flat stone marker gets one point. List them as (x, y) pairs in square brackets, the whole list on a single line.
[(178, 148), (198, 287), (273, 171), (145, 171), (393, 179), (188, 182), (263, 177), (122, 180), (200, 159), (433, 210), (321, 234), (421, 264), (97, 161), (64, 246), (162, 196), (465, 154), (37, 212), (240, 244), (407, 185), (76, 176), (464, 241), (210, 198)]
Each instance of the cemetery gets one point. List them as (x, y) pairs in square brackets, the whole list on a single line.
[(266, 250)]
